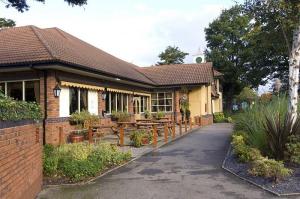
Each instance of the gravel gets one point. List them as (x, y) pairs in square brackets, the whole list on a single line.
[(290, 185)]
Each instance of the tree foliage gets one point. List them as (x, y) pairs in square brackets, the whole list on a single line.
[(247, 95), (6, 23), (226, 42), (22, 5), (172, 55)]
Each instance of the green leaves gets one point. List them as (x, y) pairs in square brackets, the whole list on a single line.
[(13, 110), (6, 23), (172, 55)]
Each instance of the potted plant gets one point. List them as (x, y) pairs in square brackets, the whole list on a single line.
[(147, 114), (120, 116), (80, 119), (159, 115)]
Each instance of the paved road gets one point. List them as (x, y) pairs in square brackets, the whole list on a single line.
[(187, 168)]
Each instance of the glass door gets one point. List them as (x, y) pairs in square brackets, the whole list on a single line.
[(137, 107)]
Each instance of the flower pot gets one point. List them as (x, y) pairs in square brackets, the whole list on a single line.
[(145, 141), (74, 138)]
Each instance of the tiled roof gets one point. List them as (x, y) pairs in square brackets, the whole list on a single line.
[(29, 44), (217, 73), (179, 73)]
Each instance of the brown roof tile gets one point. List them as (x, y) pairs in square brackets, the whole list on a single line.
[(179, 73), (30, 44), (217, 73)]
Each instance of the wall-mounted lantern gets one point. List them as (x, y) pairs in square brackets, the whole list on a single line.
[(56, 91)]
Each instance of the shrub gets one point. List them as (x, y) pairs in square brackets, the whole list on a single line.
[(79, 161), (136, 138), (121, 116), (253, 119), (278, 131), (229, 120), (159, 115), (269, 168), (147, 114), (293, 148), (50, 160), (244, 152), (219, 117), (14, 110), (79, 118)]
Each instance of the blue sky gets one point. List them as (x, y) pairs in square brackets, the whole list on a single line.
[(134, 30)]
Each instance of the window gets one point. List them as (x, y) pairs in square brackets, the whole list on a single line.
[(78, 99), (2, 88), (32, 90), (162, 102), (116, 102), (22, 90), (15, 90), (144, 103)]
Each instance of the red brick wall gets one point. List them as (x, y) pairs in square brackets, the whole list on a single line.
[(20, 162), (206, 120)]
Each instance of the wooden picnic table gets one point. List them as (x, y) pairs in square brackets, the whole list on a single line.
[(144, 120), (126, 123), (147, 124)]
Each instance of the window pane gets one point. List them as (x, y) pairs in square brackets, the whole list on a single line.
[(168, 95), (2, 87), (168, 108), (15, 90), (107, 103), (142, 104), (32, 91), (161, 95), (169, 102), (83, 99), (161, 108), (73, 100), (113, 102), (154, 102), (161, 102), (125, 103), (119, 101), (154, 95), (154, 109)]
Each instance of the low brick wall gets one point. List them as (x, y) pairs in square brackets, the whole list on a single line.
[(206, 120), (20, 160)]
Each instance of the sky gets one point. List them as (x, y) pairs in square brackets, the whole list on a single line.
[(133, 30)]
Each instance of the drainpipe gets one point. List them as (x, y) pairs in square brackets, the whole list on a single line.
[(45, 107)]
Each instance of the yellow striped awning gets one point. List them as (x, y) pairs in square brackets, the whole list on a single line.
[(142, 94), (119, 91), (77, 85)]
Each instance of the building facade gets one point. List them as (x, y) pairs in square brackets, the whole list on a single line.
[(34, 62)]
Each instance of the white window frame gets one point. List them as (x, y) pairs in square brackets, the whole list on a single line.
[(108, 112), (23, 86), (165, 98)]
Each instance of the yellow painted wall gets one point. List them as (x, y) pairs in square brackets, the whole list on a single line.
[(198, 99), (218, 103)]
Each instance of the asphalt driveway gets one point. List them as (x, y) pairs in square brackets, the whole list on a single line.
[(187, 168)]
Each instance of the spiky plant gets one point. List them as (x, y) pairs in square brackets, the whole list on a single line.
[(278, 131)]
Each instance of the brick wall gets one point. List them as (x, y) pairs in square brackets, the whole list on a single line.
[(206, 120), (20, 162)]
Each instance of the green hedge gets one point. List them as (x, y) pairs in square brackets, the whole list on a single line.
[(12, 110), (81, 160)]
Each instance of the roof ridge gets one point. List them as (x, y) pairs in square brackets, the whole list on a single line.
[(44, 43), (138, 70)]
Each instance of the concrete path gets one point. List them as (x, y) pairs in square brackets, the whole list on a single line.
[(187, 168)]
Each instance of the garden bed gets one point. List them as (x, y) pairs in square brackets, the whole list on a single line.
[(288, 186)]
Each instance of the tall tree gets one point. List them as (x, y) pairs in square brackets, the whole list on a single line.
[(22, 5), (226, 44), (6, 23), (172, 55), (283, 16)]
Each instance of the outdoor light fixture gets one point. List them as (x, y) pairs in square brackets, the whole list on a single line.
[(104, 94), (56, 91)]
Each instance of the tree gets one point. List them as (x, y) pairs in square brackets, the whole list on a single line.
[(172, 55), (282, 16), (247, 95), (6, 23), (22, 5), (226, 44)]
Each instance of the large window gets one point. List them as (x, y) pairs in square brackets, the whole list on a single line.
[(78, 100), (162, 102), (22, 90), (116, 102), (144, 103)]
